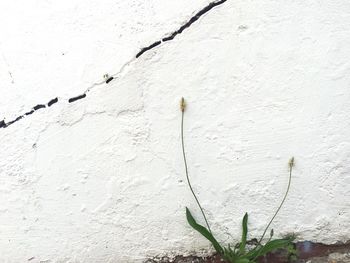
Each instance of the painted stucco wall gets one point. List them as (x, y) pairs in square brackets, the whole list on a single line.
[(101, 179)]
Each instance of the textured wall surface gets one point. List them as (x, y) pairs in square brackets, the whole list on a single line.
[(101, 179)]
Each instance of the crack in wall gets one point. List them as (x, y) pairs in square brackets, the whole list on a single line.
[(182, 28), (109, 80), (82, 96), (143, 50), (51, 102)]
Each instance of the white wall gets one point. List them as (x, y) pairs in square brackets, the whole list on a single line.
[(102, 179)]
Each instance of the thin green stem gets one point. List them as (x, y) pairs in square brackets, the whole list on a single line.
[(283, 200), (186, 170)]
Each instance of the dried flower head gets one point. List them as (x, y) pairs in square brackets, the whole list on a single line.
[(291, 162), (182, 104)]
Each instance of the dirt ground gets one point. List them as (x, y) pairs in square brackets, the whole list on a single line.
[(308, 252)]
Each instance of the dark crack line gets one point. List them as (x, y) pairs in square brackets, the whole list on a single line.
[(109, 80), (77, 98), (143, 50), (51, 102), (182, 28)]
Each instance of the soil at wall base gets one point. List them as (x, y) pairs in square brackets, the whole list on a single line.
[(308, 252)]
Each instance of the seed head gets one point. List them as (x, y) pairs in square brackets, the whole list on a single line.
[(291, 162), (182, 104)]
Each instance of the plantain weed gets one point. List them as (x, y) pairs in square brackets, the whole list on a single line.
[(240, 252)]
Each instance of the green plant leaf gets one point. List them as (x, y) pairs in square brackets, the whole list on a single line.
[(201, 229), (272, 245), (244, 234), (231, 255), (252, 254), (242, 260), (228, 256)]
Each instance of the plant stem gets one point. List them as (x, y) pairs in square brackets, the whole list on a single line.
[(291, 163), (186, 169)]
